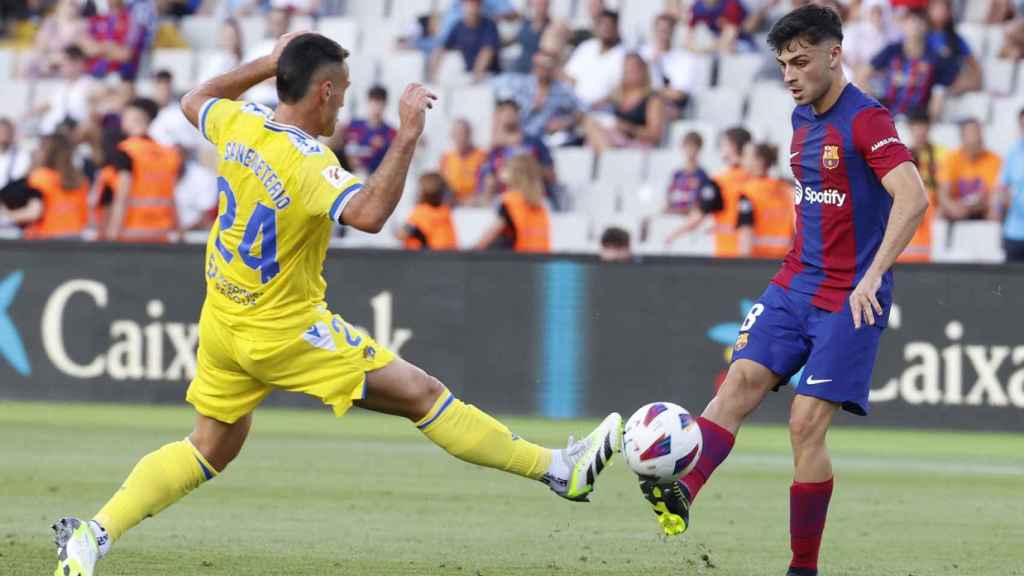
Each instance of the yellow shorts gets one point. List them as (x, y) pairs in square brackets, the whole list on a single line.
[(235, 372)]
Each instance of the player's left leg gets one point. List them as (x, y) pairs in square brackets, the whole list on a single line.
[(811, 491), (470, 434)]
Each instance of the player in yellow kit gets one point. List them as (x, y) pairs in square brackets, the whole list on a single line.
[(265, 325)]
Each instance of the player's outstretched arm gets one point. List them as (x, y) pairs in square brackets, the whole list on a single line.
[(371, 208), (231, 85), (910, 201)]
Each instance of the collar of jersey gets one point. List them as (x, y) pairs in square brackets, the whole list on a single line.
[(287, 128)]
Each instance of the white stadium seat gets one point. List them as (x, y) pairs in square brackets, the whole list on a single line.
[(179, 62), (770, 100), (981, 241), (976, 37), (476, 104), (569, 233), (573, 164), (400, 69), (597, 200), (366, 11), (700, 242), (947, 135), (344, 31), (999, 76), (737, 71), (1005, 111), (623, 166), (380, 40), (722, 107), (471, 224), (14, 98), (8, 63), (975, 105), (201, 32)]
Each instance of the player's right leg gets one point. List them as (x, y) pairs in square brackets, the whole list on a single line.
[(771, 347), (158, 480), (224, 396), (469, 434), (744, 388)]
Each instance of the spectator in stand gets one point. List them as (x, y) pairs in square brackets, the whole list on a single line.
[(905, 74), (62, 28), (493, 9), (724, 19), (615, 245), (760, 15), (529, 35), (421, 34), (691, 183), (510, 141), (595, 67), (277, 23), (228, 54), (765, 225), (115, 42), (170, 127), (144, 207), (639, 113), (549, 108), (954, 53), (928, 157), (595, 10), (460, 166), (1013, 36), (869, 34), (366, 141), (73, 99), (15, 159), (298, 7), (674, 72), (968, 177), (723, 200), (1008, 201), (523, 222), (476, 37), (63, 190), (430, 226)]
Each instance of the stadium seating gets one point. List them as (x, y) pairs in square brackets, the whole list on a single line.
[(737, 71), (624, 166), (180, 63), (574, 165), (14, 98), (344, 31), (569, 233), (976, 36), (471, 224), (976, 105), (999, 76), (698, 243), (201, 32), (719, 106)]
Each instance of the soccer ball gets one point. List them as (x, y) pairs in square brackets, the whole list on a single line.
[(662, 441)]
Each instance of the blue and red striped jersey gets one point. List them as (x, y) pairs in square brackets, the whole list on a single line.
[(839, 159)]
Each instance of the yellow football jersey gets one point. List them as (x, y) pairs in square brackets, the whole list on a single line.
[(280, 191)]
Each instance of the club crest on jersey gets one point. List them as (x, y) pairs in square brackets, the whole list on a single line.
[(830, 156), (741, 342)]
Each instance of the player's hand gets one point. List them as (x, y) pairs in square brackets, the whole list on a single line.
[(864, 301), (412, 108), (281, 44)]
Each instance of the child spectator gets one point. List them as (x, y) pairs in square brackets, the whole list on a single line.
[(523, 222), (430, 225)]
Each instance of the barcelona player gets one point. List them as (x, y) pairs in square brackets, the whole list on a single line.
[(265, 326), (859, 199)]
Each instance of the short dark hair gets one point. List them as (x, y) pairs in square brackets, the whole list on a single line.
[(919, 116), (738, 136), (613, 14), (163, 76), (378, 92), (507, 102), (301, 59), (694, 137), (615, 237), (1020, 114), (811, 22), (74, 52), (967, 121), (768, 153), (148, 107)]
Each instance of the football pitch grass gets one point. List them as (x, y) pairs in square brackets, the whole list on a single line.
[(368, 495)]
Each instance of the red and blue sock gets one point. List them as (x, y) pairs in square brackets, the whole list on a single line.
[(717, 443), (808, 507)]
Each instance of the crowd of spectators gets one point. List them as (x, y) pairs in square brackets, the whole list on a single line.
[(72, 166)]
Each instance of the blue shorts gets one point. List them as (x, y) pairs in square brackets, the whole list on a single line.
[(784, 332)]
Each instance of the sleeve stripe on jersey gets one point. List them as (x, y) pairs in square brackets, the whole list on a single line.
[(339, 203), (202, 117)]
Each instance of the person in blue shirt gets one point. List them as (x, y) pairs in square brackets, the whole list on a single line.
[(953, 52), (476, 38), (367, 140), (1009, 198)]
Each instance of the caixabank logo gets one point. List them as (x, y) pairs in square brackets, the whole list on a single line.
[(12, 349)]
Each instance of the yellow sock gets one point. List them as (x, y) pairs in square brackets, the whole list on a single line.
[(160, 479), (471, 435)]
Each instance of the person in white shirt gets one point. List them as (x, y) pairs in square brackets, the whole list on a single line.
[(228, 54), (595, 67), (15, 160), (170, 127), (73, 99), (675, 73)]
